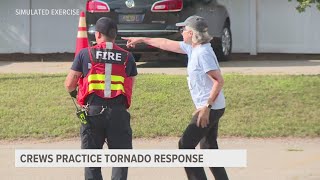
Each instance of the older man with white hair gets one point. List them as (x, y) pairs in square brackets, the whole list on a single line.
[(205, 83)]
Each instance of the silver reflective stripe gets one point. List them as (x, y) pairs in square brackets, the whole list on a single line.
[(107, 82), (109, 45), (107, 72)]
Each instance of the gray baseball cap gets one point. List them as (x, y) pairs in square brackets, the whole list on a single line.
[(196, 22)]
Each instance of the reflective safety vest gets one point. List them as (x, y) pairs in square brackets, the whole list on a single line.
[(107, 76)]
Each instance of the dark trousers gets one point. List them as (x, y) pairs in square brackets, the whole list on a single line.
[(208, 140), (112, 127)]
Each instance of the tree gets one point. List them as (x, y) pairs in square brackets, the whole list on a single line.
[(303, 4)]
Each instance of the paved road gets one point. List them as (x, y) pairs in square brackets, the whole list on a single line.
[(268, 159), (309, 67)]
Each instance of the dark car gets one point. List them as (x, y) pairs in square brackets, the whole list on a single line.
[(154, 18)]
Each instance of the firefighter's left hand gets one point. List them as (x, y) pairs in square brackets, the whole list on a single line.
[(73, 93), (203, 117)]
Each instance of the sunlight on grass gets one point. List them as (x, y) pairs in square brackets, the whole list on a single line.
[(37, 106)]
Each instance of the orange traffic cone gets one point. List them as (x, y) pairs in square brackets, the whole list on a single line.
[(82, 37)]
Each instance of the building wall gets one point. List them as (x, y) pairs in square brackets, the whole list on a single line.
[(279, 27), (14, 30), (239, 12), (38, 34), (54, 33)]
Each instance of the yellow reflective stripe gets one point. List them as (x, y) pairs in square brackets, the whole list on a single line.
[(101, 86), (116, 87), (96, 77), (96, 86), (117, 78), (101, 77)]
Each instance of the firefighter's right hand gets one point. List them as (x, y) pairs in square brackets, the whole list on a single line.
[(73, 93)]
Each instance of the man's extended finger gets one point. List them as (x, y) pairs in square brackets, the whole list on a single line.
[(130, 43), (198, 122), (203, 123), (207, 122), (125, 38)]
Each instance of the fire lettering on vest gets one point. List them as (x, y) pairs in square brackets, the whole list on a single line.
[(110, 56)]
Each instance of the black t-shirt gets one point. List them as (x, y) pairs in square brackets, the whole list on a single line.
[(82, 64)]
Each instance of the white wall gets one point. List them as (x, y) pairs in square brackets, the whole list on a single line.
[(281, 29), (49, 34), (240, 23), (14, 30), (54, 33)]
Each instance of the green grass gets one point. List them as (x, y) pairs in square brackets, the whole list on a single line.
[(37, 106)]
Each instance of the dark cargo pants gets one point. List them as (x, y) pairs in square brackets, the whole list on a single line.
[(112, 127), (208, 140)]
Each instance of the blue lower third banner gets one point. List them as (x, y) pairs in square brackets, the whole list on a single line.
[(130, 158)]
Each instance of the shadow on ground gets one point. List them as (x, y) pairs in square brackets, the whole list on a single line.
[(50, 57), (273, 57), (39, 75), (5, 63)]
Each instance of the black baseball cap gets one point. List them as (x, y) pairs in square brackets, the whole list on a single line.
[(196, 22), (107, 27)]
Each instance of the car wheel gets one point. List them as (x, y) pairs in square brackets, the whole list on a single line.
[(222, 46)]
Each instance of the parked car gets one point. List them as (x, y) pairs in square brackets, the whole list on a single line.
[(154, 18)]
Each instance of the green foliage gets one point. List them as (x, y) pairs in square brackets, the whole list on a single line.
[(303, 4)]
